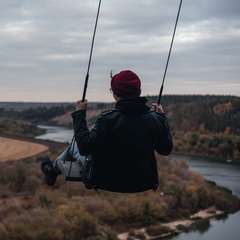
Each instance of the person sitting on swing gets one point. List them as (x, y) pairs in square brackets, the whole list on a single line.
[(122, 143)]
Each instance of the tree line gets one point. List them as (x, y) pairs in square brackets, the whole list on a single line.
[(201, 124)]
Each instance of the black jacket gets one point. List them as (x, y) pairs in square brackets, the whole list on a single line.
[(122, 145)]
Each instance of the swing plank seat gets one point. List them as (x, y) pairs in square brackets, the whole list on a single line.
[(72, 171)]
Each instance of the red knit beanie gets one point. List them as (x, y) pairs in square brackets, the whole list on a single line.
[(126, 84)]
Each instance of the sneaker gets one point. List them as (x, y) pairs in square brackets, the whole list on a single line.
[(49, 172)]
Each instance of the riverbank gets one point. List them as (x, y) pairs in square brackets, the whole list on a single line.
[(210, 158), (174, 227)]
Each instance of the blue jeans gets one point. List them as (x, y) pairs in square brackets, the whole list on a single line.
[(70, 162)]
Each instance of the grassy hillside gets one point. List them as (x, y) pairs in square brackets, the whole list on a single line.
[(31, 210), (13, 126)]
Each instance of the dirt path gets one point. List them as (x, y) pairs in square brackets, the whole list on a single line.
[(12, 149)]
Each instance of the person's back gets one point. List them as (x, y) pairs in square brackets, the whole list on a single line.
[(122, 144)]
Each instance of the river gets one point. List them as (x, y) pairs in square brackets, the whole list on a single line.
[(224, 174), (56, 133)]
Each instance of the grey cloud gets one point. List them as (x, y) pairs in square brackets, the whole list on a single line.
[(45, 46)]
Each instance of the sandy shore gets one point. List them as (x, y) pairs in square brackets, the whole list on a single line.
[(173, 226), (11, 149)]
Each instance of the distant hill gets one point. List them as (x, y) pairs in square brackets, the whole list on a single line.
[(204, 113), (207, 125), (21, 106)]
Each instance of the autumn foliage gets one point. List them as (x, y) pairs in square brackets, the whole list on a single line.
[(31, 210)]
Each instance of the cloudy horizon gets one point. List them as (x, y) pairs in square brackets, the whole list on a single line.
[(45, 47)]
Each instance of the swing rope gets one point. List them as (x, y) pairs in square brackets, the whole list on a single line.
[(88, 69), (169, 53), (90, 57), (84, 90)]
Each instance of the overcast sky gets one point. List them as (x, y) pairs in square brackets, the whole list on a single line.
[(45, 47)]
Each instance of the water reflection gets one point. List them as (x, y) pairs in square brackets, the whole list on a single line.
[(55, 133), (201, 226), (224, 227)]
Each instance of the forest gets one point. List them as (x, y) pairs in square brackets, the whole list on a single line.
[(30, 210), (203, 113), (203, 125)]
